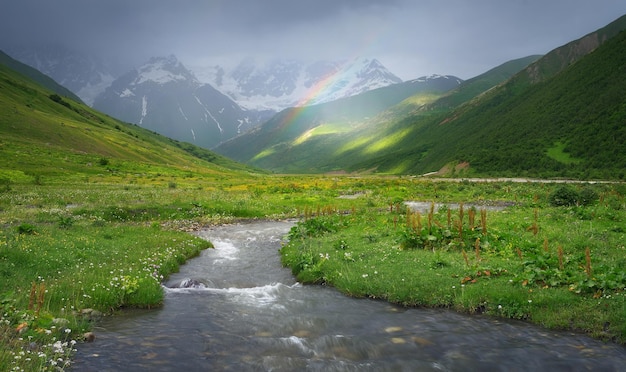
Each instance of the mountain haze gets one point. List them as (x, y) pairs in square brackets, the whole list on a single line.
[(84, 74), (37, 76)]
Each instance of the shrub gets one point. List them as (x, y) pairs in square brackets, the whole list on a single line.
[(567, 196), (587, 196), (564, 196), (26, 228), (56, 98)]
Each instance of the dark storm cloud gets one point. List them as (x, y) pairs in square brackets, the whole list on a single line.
[(411, 37)]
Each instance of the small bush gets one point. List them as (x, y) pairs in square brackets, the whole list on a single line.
[(65, 222), (26, 228), (564, 196), (567, 196), (56, 98), (587, 196), (5, 185)]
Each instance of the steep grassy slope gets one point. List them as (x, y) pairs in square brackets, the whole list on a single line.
[(560, 116), (37, 76), (482, 83), (44, 136)]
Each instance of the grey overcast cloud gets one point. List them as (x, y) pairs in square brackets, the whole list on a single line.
[(410, 37)]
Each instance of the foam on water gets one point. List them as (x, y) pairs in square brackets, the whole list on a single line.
[(224, 250)]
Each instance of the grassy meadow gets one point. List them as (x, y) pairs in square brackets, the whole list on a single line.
[(73, 251)]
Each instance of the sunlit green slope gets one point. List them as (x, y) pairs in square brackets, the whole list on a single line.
[(306, 139)]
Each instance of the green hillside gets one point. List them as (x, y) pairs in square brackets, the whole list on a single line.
[(567, 125), (309, 145), (481, 83), (44, 137), (305, 139)]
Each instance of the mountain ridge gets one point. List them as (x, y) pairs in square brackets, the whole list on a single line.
[(37, 76), (285, 133)]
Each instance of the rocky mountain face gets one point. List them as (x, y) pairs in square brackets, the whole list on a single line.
[(279, 84), (164, 96), (83, 74)]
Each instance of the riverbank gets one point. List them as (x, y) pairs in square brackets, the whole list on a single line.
[(560, 267)]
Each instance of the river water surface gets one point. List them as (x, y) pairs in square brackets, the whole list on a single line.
[(247, 313)]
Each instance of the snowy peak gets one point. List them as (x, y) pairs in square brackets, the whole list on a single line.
[(424, 79), (352, 78), (164, 96), (163, 70), (282, 83)]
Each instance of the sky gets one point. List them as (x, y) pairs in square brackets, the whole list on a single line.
[(412, 38)]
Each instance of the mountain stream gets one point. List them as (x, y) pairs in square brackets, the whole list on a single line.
[(235, 308)]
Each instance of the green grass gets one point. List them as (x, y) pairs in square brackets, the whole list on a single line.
[(557, 152), (106, 243), (514, 270)]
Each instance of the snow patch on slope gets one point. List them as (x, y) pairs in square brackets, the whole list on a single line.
[(144, 109)]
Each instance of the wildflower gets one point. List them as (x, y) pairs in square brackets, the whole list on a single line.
[(364, 275)]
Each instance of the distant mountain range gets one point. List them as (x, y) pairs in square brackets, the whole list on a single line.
[(289, 141), (279, 84), (45, 135), (168, 98), (164, 96)]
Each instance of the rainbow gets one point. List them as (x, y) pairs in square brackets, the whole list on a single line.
[(329, 80), (316, 91)]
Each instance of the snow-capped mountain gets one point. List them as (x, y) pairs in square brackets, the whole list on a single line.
[(164, 96), (83, 74), (280, 84)]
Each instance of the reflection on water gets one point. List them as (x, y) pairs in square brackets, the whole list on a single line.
[(251, 315)]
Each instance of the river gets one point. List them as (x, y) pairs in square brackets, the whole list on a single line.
[(247, 313)]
